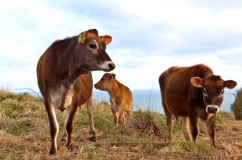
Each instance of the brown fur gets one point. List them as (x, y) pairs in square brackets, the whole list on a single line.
[(120, 97), (192, 92), (65, 80)]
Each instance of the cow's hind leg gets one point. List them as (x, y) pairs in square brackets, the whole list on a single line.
[(168, 115), (69, 122), (129, 114), (54, 126), (92, 131), (186, 128), (121, 118), (64, 136)]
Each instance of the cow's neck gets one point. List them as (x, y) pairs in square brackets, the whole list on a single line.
[(113, 92)]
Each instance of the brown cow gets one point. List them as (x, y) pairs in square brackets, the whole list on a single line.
[(120, 97), (192, 92), (64, 77)]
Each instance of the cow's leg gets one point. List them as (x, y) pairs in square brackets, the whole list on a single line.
[(194, 126), (69, 122), (210, 127), (92, 131), (64, 135), (168, 115), (186, 128), (121, 116), (54, 126), (129, 113), (115, 116)]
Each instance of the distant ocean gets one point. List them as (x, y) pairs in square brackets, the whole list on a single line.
[(151, 99)]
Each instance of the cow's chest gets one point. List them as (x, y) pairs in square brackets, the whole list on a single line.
[(202, 114), (61, 97)]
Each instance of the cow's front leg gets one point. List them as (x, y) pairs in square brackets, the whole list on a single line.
[(210, 127), (193, 121), (54, 126), (194, 127), (194, 130), (115, 116), (69, 123)]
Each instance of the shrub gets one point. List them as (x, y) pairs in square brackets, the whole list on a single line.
[(236, 107)]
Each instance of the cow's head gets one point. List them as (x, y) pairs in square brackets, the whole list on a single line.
[(105, 83), (213, 91), (92, 48)]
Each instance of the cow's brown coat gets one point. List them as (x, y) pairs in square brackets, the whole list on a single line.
[(120, 97), (65, 80), (192, 92)]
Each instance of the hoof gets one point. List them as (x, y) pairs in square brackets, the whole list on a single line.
[(63, 139), (92, 139), (53, 152)]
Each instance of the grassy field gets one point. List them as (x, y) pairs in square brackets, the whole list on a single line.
[(24, 134)]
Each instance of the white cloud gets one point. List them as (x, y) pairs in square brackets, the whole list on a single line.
[(148, 36)]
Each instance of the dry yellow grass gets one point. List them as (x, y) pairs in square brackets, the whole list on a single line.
[(24, 134)]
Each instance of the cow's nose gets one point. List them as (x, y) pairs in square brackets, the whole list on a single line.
[(111, 66), (212, 109)]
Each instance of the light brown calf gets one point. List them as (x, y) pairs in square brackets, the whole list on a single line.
[(120, 97)]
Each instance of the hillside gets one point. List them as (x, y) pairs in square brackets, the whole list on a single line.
[(24, 134)]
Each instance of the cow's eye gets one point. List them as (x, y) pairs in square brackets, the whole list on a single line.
[(102, 79), (93, 46), (222, 92), (205, 92)]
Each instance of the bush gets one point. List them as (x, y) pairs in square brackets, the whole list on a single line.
[(236, 107)]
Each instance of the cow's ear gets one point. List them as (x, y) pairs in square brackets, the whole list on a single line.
[(197, 82), (106, 38), (230, 84), (82, 37), (112, 76)]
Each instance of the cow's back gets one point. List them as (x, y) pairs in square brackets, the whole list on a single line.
[(126, 93), (129, 97), (176, 88)]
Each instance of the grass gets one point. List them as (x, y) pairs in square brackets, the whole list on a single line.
[(24, 134)]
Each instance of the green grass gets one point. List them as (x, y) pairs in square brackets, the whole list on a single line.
[(25, 131)]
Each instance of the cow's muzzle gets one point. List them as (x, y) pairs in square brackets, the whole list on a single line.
[(111, 66), (107, 66), (212, 109)]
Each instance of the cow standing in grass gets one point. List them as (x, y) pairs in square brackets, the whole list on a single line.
[(120, 97), (65, 80), (192, 92)]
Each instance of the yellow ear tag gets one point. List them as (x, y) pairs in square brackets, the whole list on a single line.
[(80, 40), (200, 86)]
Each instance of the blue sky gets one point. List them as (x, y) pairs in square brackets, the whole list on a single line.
[(148, 36)]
